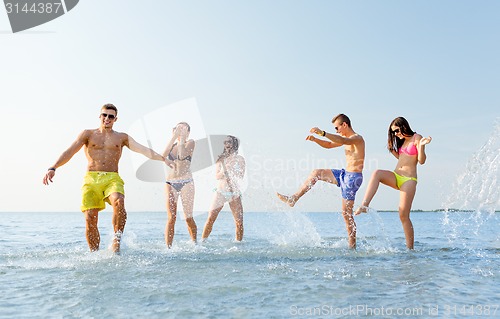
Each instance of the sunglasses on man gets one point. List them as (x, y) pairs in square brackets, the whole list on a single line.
[(109, 116)]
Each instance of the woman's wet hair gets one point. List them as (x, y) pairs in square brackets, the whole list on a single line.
[(235, 144), (393, 142), (184, 123)]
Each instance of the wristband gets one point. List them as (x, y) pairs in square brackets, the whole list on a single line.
[(324, 133), (52, 169)]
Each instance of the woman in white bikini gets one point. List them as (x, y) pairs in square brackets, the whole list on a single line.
[(180, 181), (230, 169), (409, 148)]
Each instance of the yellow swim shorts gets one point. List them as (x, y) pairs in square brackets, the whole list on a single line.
[(97, 186)]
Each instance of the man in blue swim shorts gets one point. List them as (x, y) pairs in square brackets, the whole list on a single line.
[(103, 148), (349, 179), (349, 182)]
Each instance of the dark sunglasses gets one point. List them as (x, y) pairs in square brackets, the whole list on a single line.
[(109, 116), (337, 127), (396, 131)]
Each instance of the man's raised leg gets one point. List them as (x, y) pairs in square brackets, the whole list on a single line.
[(325, 175)]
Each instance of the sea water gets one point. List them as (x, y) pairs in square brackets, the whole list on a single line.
[(289, 265)]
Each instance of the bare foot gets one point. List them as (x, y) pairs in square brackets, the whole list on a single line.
[(361, 209), (290, 200)]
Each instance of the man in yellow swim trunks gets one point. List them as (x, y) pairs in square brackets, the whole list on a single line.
[(103, 148)]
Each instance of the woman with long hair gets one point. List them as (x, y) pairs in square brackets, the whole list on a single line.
[(230, 169), (409, 148), (180, 182)]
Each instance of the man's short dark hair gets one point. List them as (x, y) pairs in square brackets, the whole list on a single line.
[(110, 106), (343, 119)]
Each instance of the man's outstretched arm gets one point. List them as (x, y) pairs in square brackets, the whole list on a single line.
[(344, 140), (66, 156), (323, 143), (141, 149)]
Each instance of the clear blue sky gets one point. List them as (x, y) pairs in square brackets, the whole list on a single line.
[(265, 71)]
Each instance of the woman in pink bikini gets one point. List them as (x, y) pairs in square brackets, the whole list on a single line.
[(409, 148)]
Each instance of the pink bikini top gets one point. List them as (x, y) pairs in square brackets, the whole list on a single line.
[(411, 149)]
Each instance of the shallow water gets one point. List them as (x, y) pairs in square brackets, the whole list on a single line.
[(289, 265)]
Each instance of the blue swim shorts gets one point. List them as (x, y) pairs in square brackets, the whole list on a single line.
[(349, 182)]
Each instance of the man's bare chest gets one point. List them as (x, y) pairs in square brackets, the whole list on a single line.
[(105, 142)]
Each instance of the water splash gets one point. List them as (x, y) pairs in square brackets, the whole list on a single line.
[(477, 188), (379, 243), (470, 207), (291, 229), (475, 191)]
